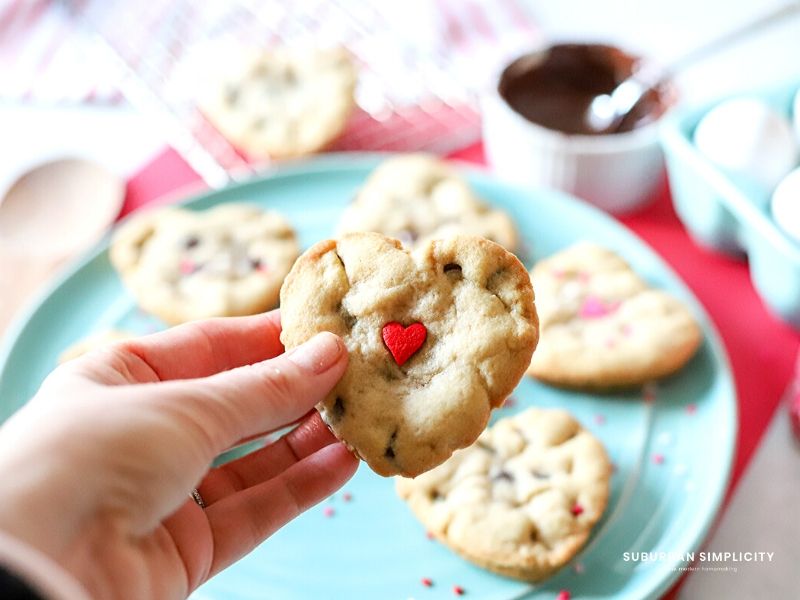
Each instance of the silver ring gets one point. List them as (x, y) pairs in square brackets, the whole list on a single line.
[(195, 495)]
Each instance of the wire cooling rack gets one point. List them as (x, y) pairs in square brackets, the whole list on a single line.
[(407, 96)]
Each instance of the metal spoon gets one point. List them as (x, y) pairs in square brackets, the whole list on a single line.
[(606, 112), (50, 214)]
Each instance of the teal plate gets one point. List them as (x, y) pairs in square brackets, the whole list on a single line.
[(672, 447)]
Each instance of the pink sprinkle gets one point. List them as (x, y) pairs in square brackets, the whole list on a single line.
[(691, 408), (187, 267), (347, 496), (579, 568), (593, 308), (600, 419), (329, 512), (558, 273), (429, 535), (584, 276), (658, 459), (427, 581), (610, 343), (563, 595), (510, 402), (458, 590), (576, 509), (626, 329)]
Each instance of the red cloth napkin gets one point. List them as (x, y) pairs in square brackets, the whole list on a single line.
[(761, 348)]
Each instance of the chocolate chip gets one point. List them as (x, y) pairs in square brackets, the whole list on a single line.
[(504, 476), (256, 264), (347, 317), (449, 267), (191, 242), (338, 408), (232, 95), (389, 453)]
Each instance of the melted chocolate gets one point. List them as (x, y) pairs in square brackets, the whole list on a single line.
[(554, 88)]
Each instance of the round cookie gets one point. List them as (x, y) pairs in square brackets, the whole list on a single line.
[(437, 338), (283, 103), (183, 265), (416, 198), (602, 327), (94, 342), (522, 500)]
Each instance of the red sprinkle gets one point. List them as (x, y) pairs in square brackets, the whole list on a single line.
[(458, 590), (427, 582), (564, 595), (510, 402), (328, 512), (347, 496), (576, 509), (403, 342), (691, 408), (658, 459)]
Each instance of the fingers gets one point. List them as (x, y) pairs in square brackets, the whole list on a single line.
[(268, 462), (234, 405), (202, 348), (242, 521)]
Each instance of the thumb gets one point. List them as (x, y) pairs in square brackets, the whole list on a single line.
[(247, 401)]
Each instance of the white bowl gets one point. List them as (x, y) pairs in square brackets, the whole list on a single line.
[(617, 173)]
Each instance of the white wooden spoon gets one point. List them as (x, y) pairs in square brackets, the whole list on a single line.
[(50, 214)]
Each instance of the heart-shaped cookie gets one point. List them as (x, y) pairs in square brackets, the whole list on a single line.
[(602, 326), (405, 405)]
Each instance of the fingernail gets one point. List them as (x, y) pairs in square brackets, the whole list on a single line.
[(318, 354)]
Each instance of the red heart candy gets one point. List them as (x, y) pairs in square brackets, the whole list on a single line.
[(403, 342)]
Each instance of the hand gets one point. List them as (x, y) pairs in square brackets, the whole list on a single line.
[(97, 468)]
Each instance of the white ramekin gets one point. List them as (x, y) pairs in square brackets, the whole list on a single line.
[(617, 173)]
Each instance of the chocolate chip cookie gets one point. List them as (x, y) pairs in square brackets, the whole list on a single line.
[(437, 338), (183, 265), (283, 102), (416, 198), (522, 500), (603, 326)]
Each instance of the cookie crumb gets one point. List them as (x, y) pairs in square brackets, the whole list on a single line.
[(427, 581)]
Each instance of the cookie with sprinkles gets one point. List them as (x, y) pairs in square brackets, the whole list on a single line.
[(282, 102), (437, 338), (418, 197), (602, 326), (522, 500), (183, 265)]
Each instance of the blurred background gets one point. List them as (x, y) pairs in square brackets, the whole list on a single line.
[(116, 82)]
